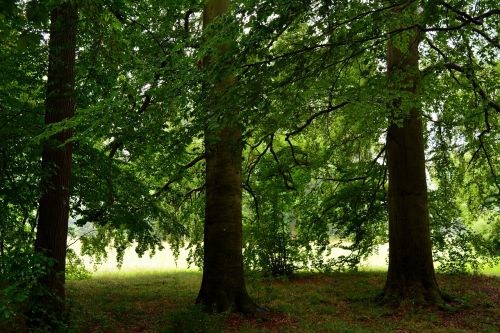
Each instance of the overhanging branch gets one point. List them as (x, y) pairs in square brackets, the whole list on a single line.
[(178, 175), (314, 116)]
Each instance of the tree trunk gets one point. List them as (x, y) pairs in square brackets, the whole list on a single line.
[(52, 227), (411, 272), (223, 285)]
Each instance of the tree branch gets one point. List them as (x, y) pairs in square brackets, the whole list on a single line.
[(285, 180), (194, 190), (248, 188), (252, 166), (178, 175), (314, 116), (365, 176), (186, 21), (474, 83), (81, 236)]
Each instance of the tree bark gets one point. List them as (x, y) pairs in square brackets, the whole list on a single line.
[(411, 274), (223, 285), (52, 227)]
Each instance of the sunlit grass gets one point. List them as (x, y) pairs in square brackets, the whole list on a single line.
[(495, 270), (374, 269), (133, 273), (164, 262)]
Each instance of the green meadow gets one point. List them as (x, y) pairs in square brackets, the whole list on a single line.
[(163, 301)]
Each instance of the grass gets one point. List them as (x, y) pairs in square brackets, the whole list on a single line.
[(157, 301), (495, 270)]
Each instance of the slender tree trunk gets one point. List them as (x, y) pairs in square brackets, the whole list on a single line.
[(223, 285), (411, 272), (52, 227)]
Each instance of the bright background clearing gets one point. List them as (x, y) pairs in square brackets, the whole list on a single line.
[(164, 260)]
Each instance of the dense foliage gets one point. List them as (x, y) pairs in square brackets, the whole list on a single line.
[(311, 91)]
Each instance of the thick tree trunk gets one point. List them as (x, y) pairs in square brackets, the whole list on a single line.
[(411, 272), (223, 285), (52, 227)]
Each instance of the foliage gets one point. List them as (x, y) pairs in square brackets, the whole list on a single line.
[(21, 272), (312, 98), (75, 267)]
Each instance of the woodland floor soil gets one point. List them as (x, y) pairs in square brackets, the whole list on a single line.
[(340, 302)]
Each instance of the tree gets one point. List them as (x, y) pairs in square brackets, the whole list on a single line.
[(306, 79), (223, 285), (52, 227), (411, 271)]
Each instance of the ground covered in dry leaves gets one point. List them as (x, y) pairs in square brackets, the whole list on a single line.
[(340, 302)]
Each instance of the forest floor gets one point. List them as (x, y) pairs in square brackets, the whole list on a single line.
[(340, 302)]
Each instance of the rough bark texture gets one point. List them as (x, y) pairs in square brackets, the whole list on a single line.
[(223, 285), (52, 227), (411, 272)]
